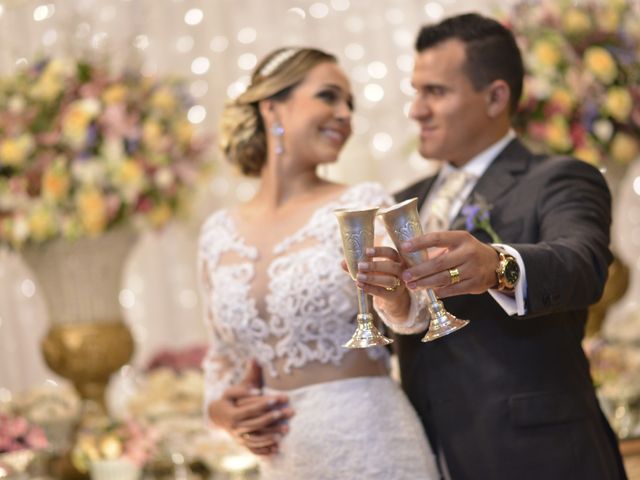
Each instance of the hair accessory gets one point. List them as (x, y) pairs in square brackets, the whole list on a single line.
[(277, 60)]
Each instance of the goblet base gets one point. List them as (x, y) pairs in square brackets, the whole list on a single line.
[(443, 324), (366, 334)]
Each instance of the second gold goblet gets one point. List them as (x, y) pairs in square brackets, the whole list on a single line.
[(402, 222), (356, 229)]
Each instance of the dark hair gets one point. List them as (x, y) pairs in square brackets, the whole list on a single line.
[(243, 138), (491, 50)]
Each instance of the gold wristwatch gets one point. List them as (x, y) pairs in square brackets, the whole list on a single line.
[(508, 271)]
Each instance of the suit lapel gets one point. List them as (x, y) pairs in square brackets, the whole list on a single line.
[(500, 177)]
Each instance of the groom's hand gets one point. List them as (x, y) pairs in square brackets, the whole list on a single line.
[(475, 263)]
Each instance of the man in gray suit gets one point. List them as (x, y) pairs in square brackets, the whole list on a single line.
[(509, 396)]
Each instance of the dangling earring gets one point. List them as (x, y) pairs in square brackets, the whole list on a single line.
[(278, 131)]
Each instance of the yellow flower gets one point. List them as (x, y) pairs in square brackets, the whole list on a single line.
[(618, 103), (14, 151), (77, 119), (576, 22), (184, 132), (151, 132), (47, 88), (19, 230), (114, 94), (601, 64), (546, 54), (110, 447), (557, 134), (588, 153), (609, 19), (562, 99), (160, 214), (55, 183), (163, 100), (130, 178), (129, 173), (41, 223), (624, 148), (92, 210)]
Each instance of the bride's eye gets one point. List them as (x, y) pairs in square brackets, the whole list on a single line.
[(328, 96), (332, 97)]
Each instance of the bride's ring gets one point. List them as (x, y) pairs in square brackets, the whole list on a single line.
[(394, 287), (246, 435)]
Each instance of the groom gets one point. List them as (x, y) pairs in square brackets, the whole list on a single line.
[(509, 396)]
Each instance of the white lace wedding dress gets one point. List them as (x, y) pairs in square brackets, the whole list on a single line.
[(292, 308)]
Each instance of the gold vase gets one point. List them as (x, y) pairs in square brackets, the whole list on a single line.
[(80, 282), (87, 354)]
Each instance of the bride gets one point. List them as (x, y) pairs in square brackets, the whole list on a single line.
[(278, 304)]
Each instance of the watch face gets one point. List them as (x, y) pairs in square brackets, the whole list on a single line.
[(511, 272)]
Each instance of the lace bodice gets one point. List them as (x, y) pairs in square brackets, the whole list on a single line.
[(306, 307)]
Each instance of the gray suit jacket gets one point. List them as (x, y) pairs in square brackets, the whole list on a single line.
[(511, 397)]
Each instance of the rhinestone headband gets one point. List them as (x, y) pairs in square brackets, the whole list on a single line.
[(277, 60)]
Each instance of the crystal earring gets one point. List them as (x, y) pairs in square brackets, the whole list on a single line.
[(277, 131)]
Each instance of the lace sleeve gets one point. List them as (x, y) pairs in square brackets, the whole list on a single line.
[(417, 319), (223, 366)]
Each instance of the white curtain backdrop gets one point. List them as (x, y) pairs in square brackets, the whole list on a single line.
[(214, 44)]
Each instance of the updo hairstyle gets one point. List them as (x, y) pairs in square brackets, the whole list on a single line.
[(243, 138)]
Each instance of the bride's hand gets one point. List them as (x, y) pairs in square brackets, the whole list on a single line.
[(380, 276), (254, 419)]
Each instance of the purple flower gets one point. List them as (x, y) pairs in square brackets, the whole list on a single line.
[(477, 217)]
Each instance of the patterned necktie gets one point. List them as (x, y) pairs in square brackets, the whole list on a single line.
[(439, 208)]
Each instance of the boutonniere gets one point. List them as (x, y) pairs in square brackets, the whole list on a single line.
[(477, 217)]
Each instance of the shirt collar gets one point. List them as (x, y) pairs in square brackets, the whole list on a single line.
[(479, 164)]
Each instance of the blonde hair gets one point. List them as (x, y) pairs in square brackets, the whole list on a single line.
[(243, 138)]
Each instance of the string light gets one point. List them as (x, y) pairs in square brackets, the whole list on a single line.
[(200, 65), (197, 114), (297, 12), (43, 12), (247, 35), (340, 5), (193, 16), (354, 51), (219, 43), (318, 10), (184, 43)]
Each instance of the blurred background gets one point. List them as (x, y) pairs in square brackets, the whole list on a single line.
[(111, 106)]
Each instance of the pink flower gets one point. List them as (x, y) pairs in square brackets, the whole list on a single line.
[(17, 426), (36, 438)]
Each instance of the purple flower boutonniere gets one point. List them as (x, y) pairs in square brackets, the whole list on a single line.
[(477, 217)]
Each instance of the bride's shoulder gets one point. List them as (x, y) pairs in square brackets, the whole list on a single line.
[(215, 221)]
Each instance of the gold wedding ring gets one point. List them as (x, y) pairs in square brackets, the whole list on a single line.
[(394, 287), (454, 273)]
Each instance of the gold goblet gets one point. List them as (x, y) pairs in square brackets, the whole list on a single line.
[(403, 223), (356, 229)]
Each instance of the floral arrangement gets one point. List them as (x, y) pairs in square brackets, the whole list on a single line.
[(178, 359), (82, 150), (107, 439), (582, 90), (615, 369), (17, 433)]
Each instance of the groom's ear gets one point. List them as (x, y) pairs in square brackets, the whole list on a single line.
[(497, 98)]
